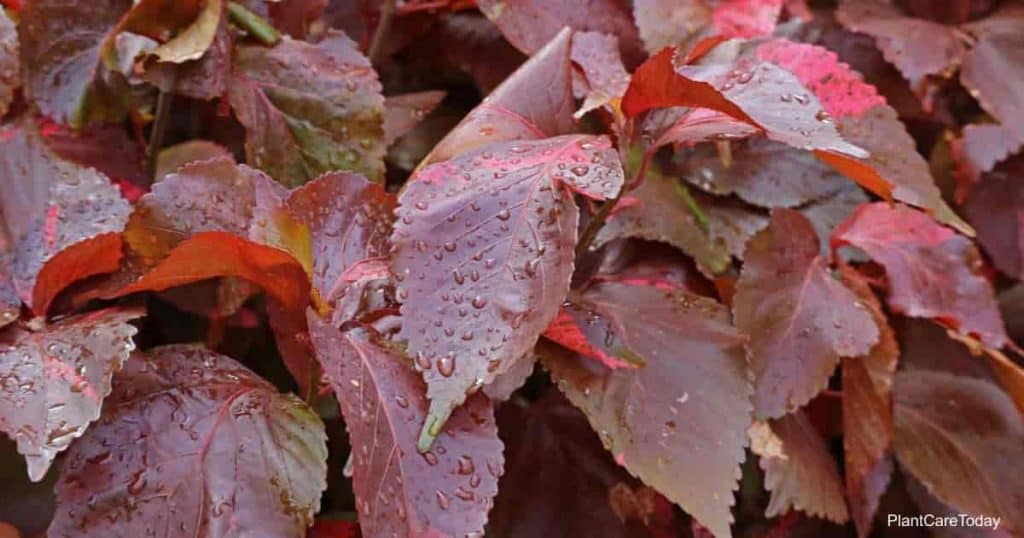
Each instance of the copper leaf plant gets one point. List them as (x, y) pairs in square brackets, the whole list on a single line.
[(510, 268)]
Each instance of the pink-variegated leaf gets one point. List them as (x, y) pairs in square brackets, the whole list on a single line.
[(483, 251)]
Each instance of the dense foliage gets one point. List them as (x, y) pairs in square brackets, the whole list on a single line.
[(518, 268)]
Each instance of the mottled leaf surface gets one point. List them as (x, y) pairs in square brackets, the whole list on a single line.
[(665, 23), (661, 209), (399, 491), (932, 272), (61, 42), (685, 413), (800, 320), (961, 438), (746, 18), (309, 108), (867, 412), (191, 443), (483, 251), (54, 380), (50, 205), (533, 102), (798, 469)]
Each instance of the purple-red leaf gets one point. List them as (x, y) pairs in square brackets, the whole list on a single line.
[(917, 47), (534, 102), (996, 210), (558, 479), (685, 413), (604, 79), (963, 439), (799, 319), (55, 379), (575, 327), (404, 112), (666, 23), (483, 249), (50, 205), (867, 412), (529, 24), (746, 18), (446, 491), (309, 108), (932, 272), (798, 469), (61, 43), (191, 443)]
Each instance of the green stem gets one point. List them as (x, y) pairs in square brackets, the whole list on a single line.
[(253, 24), (595, 224), (159, 129)]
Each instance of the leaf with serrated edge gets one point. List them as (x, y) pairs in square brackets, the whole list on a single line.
[(192, 443), (399, 492), (799, 319), (49, 205), (799, 471), (932, 272), (55, 380), (685, 413), (483, 251)]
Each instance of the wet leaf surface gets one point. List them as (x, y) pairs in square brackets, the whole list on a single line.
[(54, 380), (685, 413), (800, 320), (484, 252), (193, 443), (447, 490)]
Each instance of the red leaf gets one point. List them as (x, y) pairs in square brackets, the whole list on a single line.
[(558, 478), (325, 528), (961, 438), (574, 328), (55, 211), (217, 254), (203, 78), (483, 250), (917, 47), (867, 412), (534, 102), (193, 441), (746, 18), (172, 159), (445, 491), (529, 24), (9, 65), (996, 209), (705, 125), (932, 272), (798, 469), (685, 413), (799, 319), (403, 112), (55, 380), (309, 108), (747, 88), (91, 147)]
